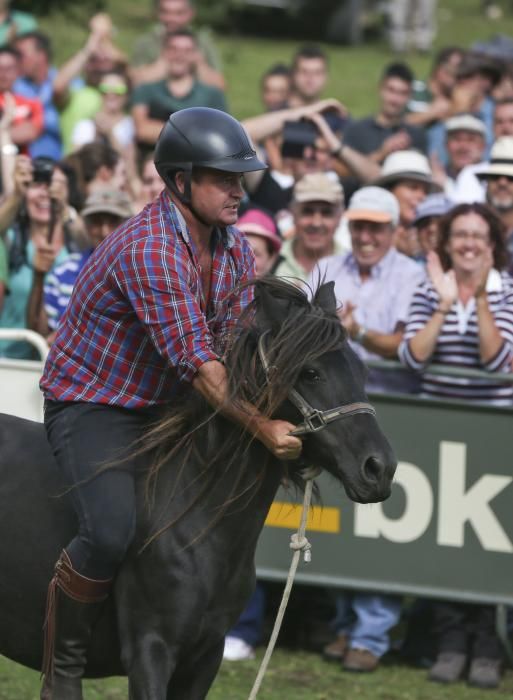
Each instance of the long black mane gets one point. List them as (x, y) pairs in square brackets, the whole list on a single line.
[(298, 330)]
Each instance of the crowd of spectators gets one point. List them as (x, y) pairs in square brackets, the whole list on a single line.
[(408, 210)]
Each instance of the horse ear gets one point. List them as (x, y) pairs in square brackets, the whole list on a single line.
[(270, 307), (325, 297)]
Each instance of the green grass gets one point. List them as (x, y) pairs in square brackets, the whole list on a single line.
[(354, 71), (296, 675)]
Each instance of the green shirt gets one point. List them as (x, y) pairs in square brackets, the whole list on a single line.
[(161, 102), (83, 103), (16, 24)]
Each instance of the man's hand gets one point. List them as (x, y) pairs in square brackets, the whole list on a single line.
[(275, 435)]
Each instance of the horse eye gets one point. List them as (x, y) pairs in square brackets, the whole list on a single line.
[(310, 375)]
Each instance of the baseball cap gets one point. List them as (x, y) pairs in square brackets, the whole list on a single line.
[(373, 204), (108, 201), (465, 122), (434, 205), (257, 223), (318, 187)]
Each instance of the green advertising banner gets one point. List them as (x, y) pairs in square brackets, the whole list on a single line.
[(447, 529)]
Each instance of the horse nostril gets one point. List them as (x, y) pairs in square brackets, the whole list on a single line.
[(373, 469)]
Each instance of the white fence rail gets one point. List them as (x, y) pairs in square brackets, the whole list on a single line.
[(19, 379)]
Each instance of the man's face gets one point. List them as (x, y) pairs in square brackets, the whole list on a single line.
[(499, 193), (370, 241), (180, 53), (175, 14), (316, 223), (100, 225), (503, 120), (309, 77), (9, 69), (315, 159), (31, 57), (216, 196), (464, 148), (275, 91), (394, 94), (445, 74), (410, 193)]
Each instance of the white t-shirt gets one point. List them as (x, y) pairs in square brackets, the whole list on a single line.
[(85, 132)]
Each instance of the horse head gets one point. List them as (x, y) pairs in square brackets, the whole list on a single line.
[(303, 370)]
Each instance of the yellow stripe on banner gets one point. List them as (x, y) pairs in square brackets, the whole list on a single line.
[(288, 515)]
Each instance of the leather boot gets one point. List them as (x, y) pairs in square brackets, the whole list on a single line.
[(73, 605)]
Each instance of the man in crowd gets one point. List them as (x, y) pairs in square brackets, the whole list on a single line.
[(498, 177), (23, 116), (36, 82), (154, 102), (148, 63), (465, 145), (373, 286), (387, 131), (309, 75), (317, 206)]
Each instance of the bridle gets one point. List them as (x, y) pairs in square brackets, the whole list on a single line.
[(313, 419)]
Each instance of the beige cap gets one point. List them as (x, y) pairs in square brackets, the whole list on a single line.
[(373, 204), (318, 187), (465, 122), (108, 201)]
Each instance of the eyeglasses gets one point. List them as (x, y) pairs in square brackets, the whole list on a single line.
[(107, 89), (470, 236), (311, 209)]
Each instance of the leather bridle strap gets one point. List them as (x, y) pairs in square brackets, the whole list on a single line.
[(314, 419)]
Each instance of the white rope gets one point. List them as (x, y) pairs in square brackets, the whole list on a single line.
[(298, 543)]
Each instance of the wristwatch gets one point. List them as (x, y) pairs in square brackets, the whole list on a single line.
[(360, 334)]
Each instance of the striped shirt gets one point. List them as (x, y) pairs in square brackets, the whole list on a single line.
[(137, 320), (458, 343), (59, 285)]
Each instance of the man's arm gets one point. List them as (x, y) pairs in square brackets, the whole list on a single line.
[(212, 383), (147, 130)]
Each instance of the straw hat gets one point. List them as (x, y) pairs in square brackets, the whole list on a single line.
[(406, 165), (501, 159)]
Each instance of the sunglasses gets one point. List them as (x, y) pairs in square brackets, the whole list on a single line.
[(107, 89)]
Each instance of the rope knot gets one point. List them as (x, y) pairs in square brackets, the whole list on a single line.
[(308, 473), (302, 544)]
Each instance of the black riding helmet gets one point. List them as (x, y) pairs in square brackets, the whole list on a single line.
[(203, 137)]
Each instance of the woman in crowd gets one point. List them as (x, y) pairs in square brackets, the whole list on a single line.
[(462, 316), (36, 219)]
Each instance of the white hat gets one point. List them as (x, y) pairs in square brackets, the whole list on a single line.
[(501, 159), (373, 204), (406, 165), (466, 122)]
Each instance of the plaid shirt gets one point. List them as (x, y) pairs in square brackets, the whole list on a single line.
[(136, 322)]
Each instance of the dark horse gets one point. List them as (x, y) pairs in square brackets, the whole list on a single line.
[(191, 570)]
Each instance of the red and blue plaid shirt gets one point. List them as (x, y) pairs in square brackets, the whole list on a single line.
[(136, 322)]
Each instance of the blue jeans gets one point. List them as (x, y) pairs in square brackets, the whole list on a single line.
[(249, 624), (84, 437), (367, 618)]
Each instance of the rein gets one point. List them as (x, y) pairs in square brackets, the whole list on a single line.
[(313, 421)]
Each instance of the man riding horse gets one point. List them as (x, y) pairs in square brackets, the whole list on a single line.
[(141, 322)]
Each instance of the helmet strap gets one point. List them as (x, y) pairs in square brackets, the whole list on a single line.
[(186, 197)]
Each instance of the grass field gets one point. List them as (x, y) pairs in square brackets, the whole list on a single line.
[(354, 72), (291, 676)]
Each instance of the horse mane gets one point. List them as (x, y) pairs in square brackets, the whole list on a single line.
[(299, 328)]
